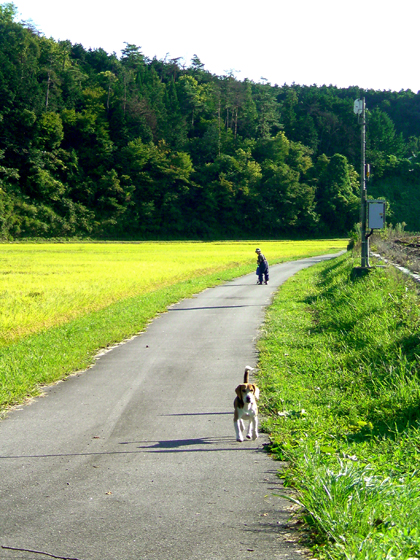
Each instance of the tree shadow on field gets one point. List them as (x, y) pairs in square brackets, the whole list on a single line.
[(328, 285), (390, 427)]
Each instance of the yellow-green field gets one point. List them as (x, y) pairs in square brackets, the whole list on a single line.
[(45, 285)]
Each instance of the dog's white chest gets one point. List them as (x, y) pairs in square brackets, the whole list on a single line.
[(247, 412)]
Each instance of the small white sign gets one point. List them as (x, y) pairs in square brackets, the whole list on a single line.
[(358, 106)]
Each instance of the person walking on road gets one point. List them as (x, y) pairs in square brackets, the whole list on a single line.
[(262, 269)]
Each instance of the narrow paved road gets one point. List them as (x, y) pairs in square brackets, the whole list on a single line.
[(136, 458)]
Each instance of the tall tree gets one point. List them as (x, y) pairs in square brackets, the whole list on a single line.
[(337, 193), (382, 140)]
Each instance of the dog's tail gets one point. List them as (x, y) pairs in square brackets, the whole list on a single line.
[(246, 374)]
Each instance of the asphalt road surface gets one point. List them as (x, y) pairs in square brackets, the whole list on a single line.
[(136, 458)]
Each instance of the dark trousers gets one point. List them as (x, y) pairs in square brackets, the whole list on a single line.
[(262, 273)]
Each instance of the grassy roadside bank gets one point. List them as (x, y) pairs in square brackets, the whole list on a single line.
[(341, 387)]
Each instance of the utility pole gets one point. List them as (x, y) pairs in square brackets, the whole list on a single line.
[(360, 110)]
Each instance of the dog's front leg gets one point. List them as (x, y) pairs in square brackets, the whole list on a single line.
[(238, 429), (253, 428)]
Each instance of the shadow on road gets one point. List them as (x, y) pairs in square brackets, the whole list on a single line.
[(193, 445), (165, 446), (198, 414), (212, 307)]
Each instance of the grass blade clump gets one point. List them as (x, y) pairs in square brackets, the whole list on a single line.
[(340, 378)]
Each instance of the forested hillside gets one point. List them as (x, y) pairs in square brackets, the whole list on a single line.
[(96, 145)]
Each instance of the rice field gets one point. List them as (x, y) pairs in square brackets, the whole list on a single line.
[(48, 284)]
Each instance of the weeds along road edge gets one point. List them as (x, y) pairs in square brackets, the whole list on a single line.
[(339, 361)]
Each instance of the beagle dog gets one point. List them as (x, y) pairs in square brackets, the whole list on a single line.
[(245, 407)]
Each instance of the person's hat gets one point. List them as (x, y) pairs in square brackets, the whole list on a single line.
[(258, 250)]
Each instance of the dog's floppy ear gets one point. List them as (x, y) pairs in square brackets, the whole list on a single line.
[(256, 391), (239, 392)]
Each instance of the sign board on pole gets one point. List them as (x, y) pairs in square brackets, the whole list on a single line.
[(358, 106), (376, 219)]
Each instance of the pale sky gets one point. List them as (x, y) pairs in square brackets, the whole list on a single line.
[(373, 44)]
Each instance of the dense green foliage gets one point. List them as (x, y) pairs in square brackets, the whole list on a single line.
[(96, 145), (340, 380)]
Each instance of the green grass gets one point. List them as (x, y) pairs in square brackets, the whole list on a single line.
[(61, 303), (340, 379)]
